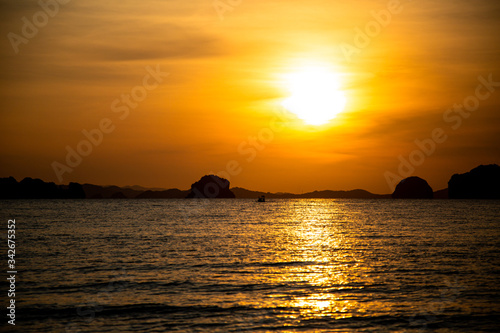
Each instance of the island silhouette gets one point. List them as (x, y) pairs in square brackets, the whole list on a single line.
[(211, 186), (413, 188), (482, 182)]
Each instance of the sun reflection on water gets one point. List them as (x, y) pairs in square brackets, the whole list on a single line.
[(318, 258), (288, 265)]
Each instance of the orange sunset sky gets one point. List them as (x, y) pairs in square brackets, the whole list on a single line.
[(401, 66)]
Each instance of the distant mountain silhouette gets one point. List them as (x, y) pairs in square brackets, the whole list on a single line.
[(29, 188), (441, 194), (413, 188), (327, 194), (352, 194), (242, 193), (482, 182), (144, 189), (118, 195), (211, 186), (166, 194), (109, 192)]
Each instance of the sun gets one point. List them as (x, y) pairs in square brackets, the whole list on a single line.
[(315, 94)]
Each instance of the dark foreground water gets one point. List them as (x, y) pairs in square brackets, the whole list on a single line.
[(242, 266)]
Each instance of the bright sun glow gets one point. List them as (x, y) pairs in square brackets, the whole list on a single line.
[(315, 95)]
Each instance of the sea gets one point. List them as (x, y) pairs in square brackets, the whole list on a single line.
[(236, 265)]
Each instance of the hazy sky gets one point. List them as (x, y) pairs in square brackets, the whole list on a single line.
[(224, 87)]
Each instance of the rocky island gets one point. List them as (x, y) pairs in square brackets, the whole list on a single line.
[(211, 186), (482, 182), (413, 188)]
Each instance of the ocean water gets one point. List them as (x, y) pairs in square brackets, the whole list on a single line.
[(242, 266)]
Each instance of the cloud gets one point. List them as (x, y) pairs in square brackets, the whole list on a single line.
[(129, 47)]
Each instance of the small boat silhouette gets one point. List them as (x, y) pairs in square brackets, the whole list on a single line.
[(261, 199)]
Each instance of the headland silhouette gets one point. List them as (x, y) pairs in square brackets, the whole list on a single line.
[(482, 182)]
